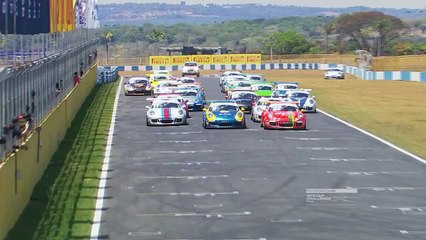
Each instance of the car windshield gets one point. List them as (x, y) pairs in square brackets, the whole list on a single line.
[(334, 70), (244, 96), (188, 93), (300, 95), (255, 78), (224, 107), (188, 80), (280, 93), (289, 108), (166, 105), (138, 81), (264, 88), (242, 84), (190, 64)]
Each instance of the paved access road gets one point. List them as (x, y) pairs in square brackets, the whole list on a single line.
[(186, 182)]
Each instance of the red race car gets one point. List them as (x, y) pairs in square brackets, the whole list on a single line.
[(283, 116)]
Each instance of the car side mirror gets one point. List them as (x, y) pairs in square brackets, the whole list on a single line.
[(313, 97), (243, 109), (204, 109), (147, 107)]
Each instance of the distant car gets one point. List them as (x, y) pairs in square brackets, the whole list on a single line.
[(303, 99), (229, 73), (190, 69), (168, 112), (193, 98), (244, 99), (334, 73), (137, 86), (262, 89), (286, 85), (283, 116), (223, 114)]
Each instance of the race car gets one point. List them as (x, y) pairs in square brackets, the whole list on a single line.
[(285, 85), (334, 73), (164, 87), (283, 116), (194, 99), (137, 86), (155, 79), (244, 99), (260, 105), (255, 77), (229, 73), (190, 69), (262, 89), (187, 80), (227, 81), (174, 97), (223, 114), (168, 112), (303, 99)]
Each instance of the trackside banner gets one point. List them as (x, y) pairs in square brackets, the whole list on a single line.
[(206, 59)]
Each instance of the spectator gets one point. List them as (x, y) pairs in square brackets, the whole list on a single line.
[(76, 79), (58, 89), (81, 69), (90, 60)]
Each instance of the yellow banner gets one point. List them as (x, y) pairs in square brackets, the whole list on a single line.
[(207, 59), (220, 59), (159, 60), (202, 59), (253, 58), (180, 60), (237, 58)]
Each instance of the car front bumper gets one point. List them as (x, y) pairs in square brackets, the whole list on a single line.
[(285, 125), (164, 122)]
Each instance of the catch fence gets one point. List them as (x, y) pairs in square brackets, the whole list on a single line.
[(36, 88)]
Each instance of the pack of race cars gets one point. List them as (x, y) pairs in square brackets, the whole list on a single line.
[(275, 105)]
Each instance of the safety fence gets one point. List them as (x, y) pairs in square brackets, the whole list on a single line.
[(106, 74), (29, 93), (23, 169)]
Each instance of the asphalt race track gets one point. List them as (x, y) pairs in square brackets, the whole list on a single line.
[(329, 182)]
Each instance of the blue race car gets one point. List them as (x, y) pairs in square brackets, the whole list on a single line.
[(223, 114)]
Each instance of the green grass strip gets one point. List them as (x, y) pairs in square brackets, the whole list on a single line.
[(62, 204)]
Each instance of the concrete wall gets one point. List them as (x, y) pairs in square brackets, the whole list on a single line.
[(22, 170), (363, 74)]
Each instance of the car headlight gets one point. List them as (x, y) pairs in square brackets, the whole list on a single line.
[(239, 116), (300, 116), (180, 112), (151, 113), (211, 117), (130, 88), (311, 101), (270, 116)]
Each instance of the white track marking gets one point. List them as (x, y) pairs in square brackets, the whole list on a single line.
[(413, 232), (331, 148), (170, 133), (357, 173), (176, 163), (389, 189), (375, 137), (196, 214), (349, 159), (208, 206), (254, 179), (188, 194), (180, 152), (105, 167), (287, 221), (184, 177), (144, 233)]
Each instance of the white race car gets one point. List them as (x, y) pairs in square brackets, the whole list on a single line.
[(334, 73), (190, 69), (260, 105), (166, 112), (303, 99)]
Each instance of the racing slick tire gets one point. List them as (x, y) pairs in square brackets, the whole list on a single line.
[(147, 122)]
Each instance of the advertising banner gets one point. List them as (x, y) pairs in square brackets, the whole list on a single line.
[(202, 59), (237, 59), (180, 60), (159, 60), (220, 59), (253, 58), (32, 16)]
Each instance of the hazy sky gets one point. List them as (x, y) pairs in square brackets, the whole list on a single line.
[(315, 3)]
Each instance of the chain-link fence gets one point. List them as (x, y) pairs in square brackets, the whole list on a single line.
[(29, 93)]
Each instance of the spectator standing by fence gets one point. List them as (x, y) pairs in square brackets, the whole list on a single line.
[(76, 79)]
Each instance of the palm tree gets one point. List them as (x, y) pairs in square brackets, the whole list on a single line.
[(108, 37)]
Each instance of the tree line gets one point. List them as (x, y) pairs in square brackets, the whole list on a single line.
[(373, 31)]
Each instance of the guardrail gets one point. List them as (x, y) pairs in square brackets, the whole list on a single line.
[(30, 92), (363, 74), (106, 74)]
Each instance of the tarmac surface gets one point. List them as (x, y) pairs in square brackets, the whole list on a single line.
[(328, 182)]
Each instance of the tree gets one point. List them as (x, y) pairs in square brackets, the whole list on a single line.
[(289, 42), (328, 30), (157, 36), (370, 30), (107, 36)]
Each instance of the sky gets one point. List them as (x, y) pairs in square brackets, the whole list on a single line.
[(418, 4)]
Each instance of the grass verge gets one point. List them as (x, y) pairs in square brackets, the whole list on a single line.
[(393, 110), (63, 201)]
